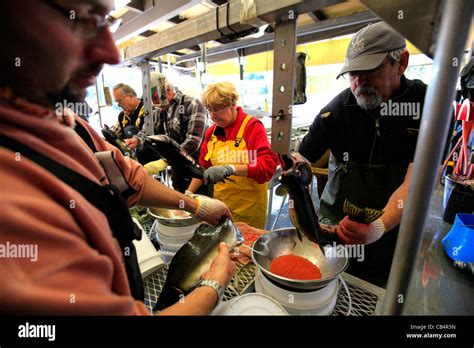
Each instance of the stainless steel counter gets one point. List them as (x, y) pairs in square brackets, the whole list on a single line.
[(437, 288)]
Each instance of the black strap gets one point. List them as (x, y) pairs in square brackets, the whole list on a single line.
[(84, 134), (107, 199)]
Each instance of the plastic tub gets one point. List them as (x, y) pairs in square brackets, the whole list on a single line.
[(174, 231), (166, 256), (173, 242), (318, 302), (250, 304), (459, 242)]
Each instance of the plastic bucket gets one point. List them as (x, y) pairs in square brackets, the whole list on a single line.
[(173, 240), (173, 231), (459, 242), (318, 302), (459, 199)]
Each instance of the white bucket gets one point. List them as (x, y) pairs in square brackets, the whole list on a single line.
[(174, 231), (318, 302), (166, 255), (171, 239)]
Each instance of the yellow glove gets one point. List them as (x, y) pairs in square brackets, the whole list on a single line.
[(155, 167)]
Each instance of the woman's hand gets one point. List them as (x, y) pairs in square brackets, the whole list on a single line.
[(218, 173)]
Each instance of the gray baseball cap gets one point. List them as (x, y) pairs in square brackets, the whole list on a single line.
[(369, 46)]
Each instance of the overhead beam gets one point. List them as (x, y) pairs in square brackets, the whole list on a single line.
[(308, 33), (136, 6), (416, 20), (317, 16), (204, 28), (151, 17)]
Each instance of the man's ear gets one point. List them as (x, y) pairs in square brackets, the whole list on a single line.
[(403, 64)]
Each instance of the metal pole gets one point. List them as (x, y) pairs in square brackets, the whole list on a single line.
[(148, 121), (283, 83), (98, 102), (434, 129)]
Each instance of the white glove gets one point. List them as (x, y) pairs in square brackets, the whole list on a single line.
[(351, 232), (211, 210)]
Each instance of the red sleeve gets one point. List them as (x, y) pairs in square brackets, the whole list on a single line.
[(205, 164), (262, 167)]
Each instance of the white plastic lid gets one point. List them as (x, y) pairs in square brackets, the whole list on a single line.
[(251, 304)]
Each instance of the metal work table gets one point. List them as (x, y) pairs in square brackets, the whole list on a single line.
[(437, 288), (366, 299)]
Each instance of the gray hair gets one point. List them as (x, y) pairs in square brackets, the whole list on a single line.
[(155, 77), (125, 89), (394, 56)]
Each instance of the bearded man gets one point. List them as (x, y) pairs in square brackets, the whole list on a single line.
[(371, 130)]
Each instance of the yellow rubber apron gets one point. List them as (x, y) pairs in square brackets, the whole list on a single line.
[(246, 198)]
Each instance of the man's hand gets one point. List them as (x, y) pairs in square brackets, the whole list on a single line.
[(222, 268), (351, 232), (211, 210), (218, 173), (132, 143)]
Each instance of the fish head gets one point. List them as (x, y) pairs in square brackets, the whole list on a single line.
[(232, 236), (296, 170)]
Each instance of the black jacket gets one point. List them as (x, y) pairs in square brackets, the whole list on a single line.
[(350, 132), (136, 120)]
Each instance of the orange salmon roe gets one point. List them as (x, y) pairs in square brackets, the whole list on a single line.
[(295, 267)]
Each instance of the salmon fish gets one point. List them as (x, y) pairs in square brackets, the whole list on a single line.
[(181, 162), (295, 179), (194, 259)]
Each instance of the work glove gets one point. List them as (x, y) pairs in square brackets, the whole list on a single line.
[(351, 232), (211, 210), (218, 173), (155, 167)]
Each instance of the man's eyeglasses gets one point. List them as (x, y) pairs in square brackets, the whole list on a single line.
[(85, 27), (366, 73), (120, 101)]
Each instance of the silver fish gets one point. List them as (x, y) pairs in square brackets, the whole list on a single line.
[(194, 259)]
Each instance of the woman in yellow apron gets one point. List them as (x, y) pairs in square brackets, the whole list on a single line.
[(237, 156)]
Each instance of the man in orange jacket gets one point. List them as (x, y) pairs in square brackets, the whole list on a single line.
[(50, 57)]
